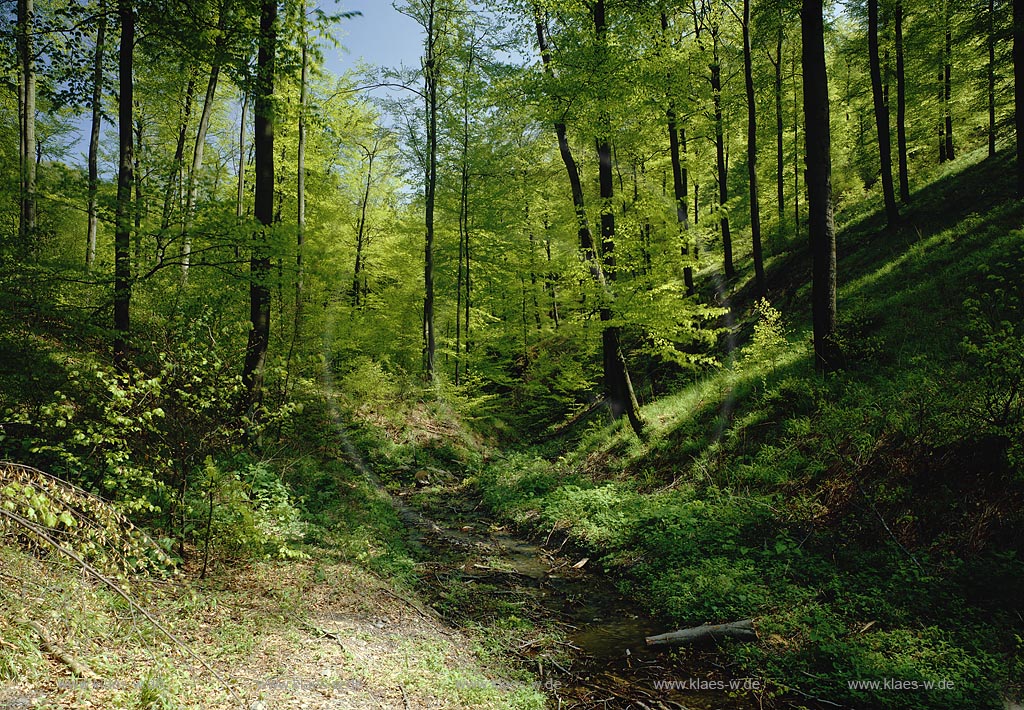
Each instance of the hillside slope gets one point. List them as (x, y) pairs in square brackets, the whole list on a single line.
[(870, 521)]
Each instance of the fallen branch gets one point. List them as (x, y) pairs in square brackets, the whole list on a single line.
[(116, 588), (739, 630), (49, 646)]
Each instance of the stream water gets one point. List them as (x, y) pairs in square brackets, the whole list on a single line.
[(592, 653)]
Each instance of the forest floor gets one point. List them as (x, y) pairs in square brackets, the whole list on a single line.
[(495, 621), (317, 633)]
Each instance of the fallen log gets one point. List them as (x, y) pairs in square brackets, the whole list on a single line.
[(739, 630), (57, 651)]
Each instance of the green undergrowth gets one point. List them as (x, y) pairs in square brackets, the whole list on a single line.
[(870, 521)]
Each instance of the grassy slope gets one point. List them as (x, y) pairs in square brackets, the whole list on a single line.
[(870, 521), (260, 623)]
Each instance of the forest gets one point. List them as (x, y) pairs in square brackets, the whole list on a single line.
[(613, 354)]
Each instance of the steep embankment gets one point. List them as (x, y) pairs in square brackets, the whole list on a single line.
[(871, 520)]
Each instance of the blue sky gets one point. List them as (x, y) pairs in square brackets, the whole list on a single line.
[(381, 35)]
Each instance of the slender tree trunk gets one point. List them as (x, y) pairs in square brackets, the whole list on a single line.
[(621, 396), (678, 174), (991, 71), (197, 164), (27, 55), (948, 85), (259, 264), (942, 117), (723, 173), (463, 211), (240, 199), (1018, 89), (140, 202), (901, 107), (125, 181), (613, 361), (300, 187), (173, 178), (780, 156), (819, 186), (533, 274), (550, 279), (361, 229), (466, 305), (94, 137), (881, 117), (796, 152), (571, 169), (755, 208), (430, 97)]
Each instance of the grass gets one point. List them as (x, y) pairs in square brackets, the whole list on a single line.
[(853, 516), (312, 633)]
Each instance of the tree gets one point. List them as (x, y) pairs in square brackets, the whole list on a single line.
[(434, 20), (821, 225), (94, 137), (617, 383), (901, 105), (1018, 89), (755, 210), (259, 262), (677, 139), (125, 182), (715, 79), (947, 83), (881, 116), (27, 103)]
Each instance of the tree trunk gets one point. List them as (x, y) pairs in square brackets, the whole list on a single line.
[(619, 388), (821, 226), (240, 199), (942, 115), (881, 117), (737, 630), (780, 156), (991, 71), (723, 175), (571, 169), (27, 55), (901, 107), (140, 202), (1018, 89), (179, 151), (94, 138), (259, 263), (796, 153), (361, 228), (197, 164), (550, 280), (755, 209), (300, 187), (613, 361), (125, 182), (678, 175), (463, 214), (948, 86), (430, 98)]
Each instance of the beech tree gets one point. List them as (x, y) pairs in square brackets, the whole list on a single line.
[(881, 116), (260, 259), (821, 224)]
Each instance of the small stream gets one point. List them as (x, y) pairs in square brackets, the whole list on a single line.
[(594, 655)]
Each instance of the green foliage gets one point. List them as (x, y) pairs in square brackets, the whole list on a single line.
[(994, 348), (82, 523), (242, 512)]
